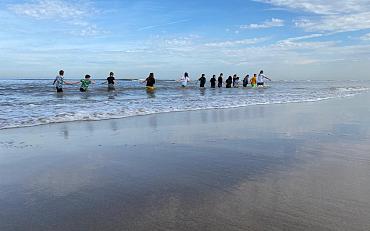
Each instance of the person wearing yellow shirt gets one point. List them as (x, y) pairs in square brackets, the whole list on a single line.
[(254, 80)]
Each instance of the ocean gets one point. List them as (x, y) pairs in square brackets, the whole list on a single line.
[(35, 102)]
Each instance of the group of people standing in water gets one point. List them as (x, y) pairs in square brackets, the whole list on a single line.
[(231, 81)]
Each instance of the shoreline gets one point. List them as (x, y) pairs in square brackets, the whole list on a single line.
[(273, 167), (189, 110)]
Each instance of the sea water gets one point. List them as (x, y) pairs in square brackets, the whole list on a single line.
[(35, 102)]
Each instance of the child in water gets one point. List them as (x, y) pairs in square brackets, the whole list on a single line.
[(85, 83), (111, 81), (59, 82), (254, 80)]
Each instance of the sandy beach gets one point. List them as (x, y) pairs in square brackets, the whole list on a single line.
[(290, 166)]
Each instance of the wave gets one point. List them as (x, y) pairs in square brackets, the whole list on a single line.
[(118, 113)]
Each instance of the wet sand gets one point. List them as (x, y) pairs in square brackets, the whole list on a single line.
[(270, 167)]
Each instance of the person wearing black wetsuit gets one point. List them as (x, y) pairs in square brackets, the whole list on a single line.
[(220, 80), (229, 81), (213, 81), (202, 81)]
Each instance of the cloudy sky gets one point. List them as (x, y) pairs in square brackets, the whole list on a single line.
[(289, 39)]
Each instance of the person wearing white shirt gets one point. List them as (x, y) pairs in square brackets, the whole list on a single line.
[(184, 80), (260, 79)]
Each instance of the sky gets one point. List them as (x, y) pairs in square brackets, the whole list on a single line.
[(288, 39)]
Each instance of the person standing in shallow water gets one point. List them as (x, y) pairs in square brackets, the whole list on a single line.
[(59, 82), (213, 81), (220, 80), (85, 83), (254, 80), (111, 81), (260, 79), (184, 80), (245, 81), (150, 81), (229, 82), (202, 81), (234, 79)]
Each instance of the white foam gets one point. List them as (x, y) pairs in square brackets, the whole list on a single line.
[(37, 109)]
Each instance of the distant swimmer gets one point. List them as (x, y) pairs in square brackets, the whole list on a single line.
[(202, 81), (260, 79), (111, 81), (59, 81), (229, 82), (220, 80), (245, 81), (184, 80), (254, 80), (150, 81), (85, 83), (213, 81)]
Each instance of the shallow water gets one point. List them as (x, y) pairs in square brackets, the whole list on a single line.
[(34, 102)]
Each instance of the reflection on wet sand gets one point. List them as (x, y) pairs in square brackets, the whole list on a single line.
[(204, 170)]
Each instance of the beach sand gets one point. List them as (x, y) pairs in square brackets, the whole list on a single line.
[(299, 166)]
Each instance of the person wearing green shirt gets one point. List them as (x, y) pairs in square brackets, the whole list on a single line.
[(85, 83)]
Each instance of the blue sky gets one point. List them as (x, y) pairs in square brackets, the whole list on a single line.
[(289, 39)]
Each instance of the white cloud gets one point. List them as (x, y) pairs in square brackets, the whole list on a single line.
[(274, 22), (323, 7), (365, 37), (329, 16), (164, 24), (50, 9), (236, 42), (310, 36), (72, 13), (336, 23)]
